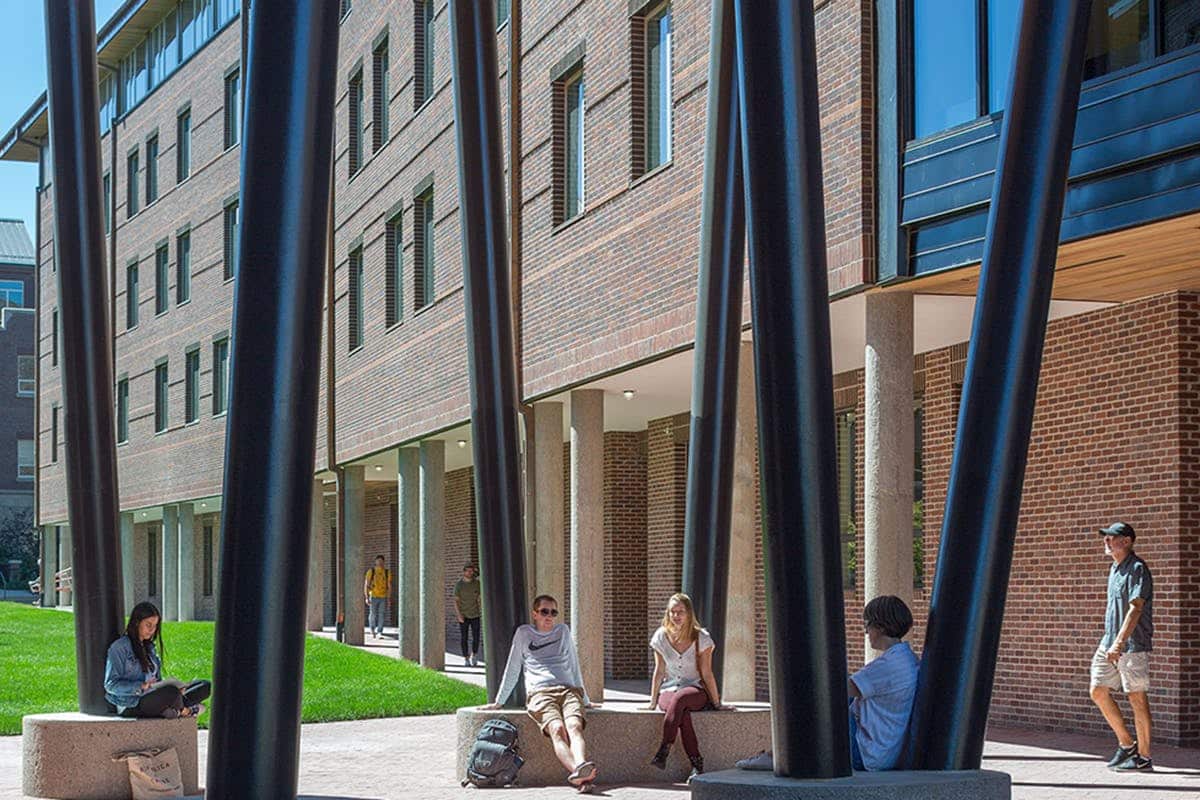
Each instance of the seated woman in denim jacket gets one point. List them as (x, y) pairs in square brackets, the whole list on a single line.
[(133, 679)]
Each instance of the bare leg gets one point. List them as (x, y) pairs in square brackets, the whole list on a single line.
[(1141, 720), (575, 731), (1102, 697), (562, 746)]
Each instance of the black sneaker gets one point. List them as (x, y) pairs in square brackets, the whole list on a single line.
[(1122, 755), (1137, 763)]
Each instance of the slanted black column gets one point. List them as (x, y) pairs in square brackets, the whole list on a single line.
[(254, 743), (87, 362), (486, 290), (718, 342), (999, 389), (785, 224)]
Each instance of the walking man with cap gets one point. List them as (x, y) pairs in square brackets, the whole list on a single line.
[(1122, 660)]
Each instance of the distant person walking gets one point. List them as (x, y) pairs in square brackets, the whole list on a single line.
[(377, 587), (468, 611), (1122, 661)]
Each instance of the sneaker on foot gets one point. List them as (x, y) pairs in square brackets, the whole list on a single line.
[(585, 773), (762, 760), (171, 713), (1123, 754), (1136, 763), (660, 758)]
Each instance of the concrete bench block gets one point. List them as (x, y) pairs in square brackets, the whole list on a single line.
[(736, 784), (69, 756), (622, 738)]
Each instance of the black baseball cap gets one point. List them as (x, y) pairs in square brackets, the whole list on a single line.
[(1119, 529)]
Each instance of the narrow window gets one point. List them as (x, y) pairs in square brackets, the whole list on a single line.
[(658, 88), (355, 320), (191, 388), (232, 232), (54, 338), (1120, 36), (183, 145), (123, 410), (422, 52), (233, 102), (131, 187), (151, 169), (207, 580), (183, 267), (575, 147), (131, 296), (345, 8), (379, 96), (393, 280), (54, 434), (152, 555), (25, 375), (423, 250), (944, 58), (567, 135), (107, 203), (220, 376), (25, 460), (355, 101), (161, 396), (501, 12), (162, 278)]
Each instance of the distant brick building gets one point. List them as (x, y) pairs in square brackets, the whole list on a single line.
[(18, 359), (611, 146)]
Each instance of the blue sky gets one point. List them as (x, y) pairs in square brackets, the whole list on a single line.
[(23, 71)]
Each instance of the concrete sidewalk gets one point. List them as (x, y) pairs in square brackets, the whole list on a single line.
[(413, 757)]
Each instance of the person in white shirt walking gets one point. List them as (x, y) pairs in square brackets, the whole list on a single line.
[(555, 697)]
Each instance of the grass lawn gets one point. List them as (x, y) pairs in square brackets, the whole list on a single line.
[(37, 672)]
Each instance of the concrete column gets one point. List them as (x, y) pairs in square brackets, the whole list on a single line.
[(66, 557), (587, 536), (433, 565), (548, 501), (408, 470), (127, 567), (170, 563), (315, 616), (888, 482), (740, 645), (353, 565), (186, 555), (49, 545)]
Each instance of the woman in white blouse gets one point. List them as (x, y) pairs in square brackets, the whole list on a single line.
[(683, 679)]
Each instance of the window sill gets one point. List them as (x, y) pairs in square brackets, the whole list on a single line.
[(122, 444), (182, 303), (424, 104), (230, 279), (25, 394), (394, 326), (229, 147), (164, 430), (355, 350), (162, 313), (24, 479), (220, 413), (183, 180), (645, 176), (562, 226), (191, 423)]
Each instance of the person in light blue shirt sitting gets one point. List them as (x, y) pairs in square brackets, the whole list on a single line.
[(880, 694), (133, 679)]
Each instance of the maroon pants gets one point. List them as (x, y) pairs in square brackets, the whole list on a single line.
[(678, 706)]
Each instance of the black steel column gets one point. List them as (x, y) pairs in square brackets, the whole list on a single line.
[(290, 77), (87, 366), (999, 389), (493, 369), (718, 343), (785, 224)]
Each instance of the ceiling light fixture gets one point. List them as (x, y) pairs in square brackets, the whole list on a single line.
[(378, 468), (628, 394), (462, 443)]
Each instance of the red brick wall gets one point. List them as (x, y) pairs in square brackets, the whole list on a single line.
[(380, 535), (461, 543), (625, 563), (666, 493)]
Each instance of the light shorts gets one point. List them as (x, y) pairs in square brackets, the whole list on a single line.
[(1131, 673), (556, 703)]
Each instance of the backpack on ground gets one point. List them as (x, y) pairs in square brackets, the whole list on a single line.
[(494, 760)]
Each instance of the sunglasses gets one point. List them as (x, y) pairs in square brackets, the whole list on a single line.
[(548, 612)]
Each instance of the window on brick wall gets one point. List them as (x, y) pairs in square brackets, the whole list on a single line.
[(54, 434), (162, 397), (423, 250), (107, 183), (345, 8), (162, 279), (354, 104), (183, 145), (232, 225), (220, 389), (123, 410), (393, 248), (502, 12), (423, 54), (131, 295), (26, 464), (183, 267), (233, 105), (26, 366), (380, 94), (207, 562), (151, 169), (354, 319), (845, 423), (152, 562), (131, 184), (650, 47), (191, 386), (12, 294), (568, 140), (54, 337)]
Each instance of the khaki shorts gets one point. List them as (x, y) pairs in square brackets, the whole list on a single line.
[(1131, 673), (557, 703)]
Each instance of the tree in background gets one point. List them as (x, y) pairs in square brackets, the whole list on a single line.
[(18, 542)]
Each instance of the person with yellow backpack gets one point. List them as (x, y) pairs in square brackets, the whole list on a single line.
[(377, 588)]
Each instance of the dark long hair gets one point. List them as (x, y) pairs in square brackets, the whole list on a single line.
[(144, 610)]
